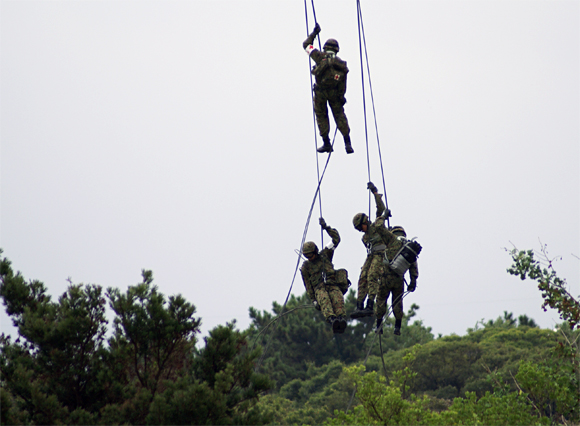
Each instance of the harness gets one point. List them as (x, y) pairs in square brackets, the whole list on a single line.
[(329, 72), (375, 244)]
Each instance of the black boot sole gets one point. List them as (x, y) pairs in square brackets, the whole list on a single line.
[(342, 325)]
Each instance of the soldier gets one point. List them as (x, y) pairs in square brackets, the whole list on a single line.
[(393, 283), (330, 72), (376, 238), (320, 280)]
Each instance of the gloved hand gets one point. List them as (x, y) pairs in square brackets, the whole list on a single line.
[(412, 285), (323, 223), (316, 29), (387, 213), (372, 187), (316, 305)]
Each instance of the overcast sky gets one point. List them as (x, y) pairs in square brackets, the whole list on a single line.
[(177, 136)]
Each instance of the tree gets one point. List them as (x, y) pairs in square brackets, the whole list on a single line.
[(299, 337), (63, 371), (555, 295), (153, 337), (56, 372), (221, 386), (552, 287), (391, 404)]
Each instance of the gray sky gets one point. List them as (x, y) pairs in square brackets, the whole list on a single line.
[(178, 136)]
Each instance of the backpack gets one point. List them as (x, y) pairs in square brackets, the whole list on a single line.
[(342, 281), (330, 72)]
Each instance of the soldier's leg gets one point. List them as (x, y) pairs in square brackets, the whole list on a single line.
[(362, 291), (337, 300), (362, 281), (376, 271), (321, 112), (339, 325), (337, 107), (382, 296), (381, 307), (397, 303), (324, 301)]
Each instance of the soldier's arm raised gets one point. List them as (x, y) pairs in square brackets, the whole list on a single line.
[(334, 235), (380, 204), (307, 44)]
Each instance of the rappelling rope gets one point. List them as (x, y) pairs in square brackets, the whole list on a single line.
[(362, 43), (313, 112), (316, 194)]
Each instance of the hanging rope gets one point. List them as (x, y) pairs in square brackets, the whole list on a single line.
[(316, 194), (363, 44), (312, 102)]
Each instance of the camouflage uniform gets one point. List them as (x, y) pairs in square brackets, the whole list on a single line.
[(318, 275), (393, 284), (327, 89), (377, 238)]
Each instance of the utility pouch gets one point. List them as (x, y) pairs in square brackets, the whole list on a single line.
[(342, 281), (378, 248)]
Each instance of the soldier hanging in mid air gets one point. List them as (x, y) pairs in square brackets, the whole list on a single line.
[(323, 283), (376, 238), (393, 281), (330, 72)]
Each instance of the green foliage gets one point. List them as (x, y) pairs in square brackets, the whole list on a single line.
[(552, 390), (63, 372), (381, 403), (221, 389), (553, 288), (152, 336), (561, 394), (491, 409), (57, 368), (299, 337)]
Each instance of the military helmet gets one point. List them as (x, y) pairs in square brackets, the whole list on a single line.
[(331, 44), (309, 247), (398, 231), (358, 220)]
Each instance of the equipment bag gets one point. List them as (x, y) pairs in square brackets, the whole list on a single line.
[(342, 281), (405, 257), (330, 72)]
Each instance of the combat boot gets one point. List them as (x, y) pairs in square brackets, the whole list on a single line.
[(347, 145), (379, 329), (342, 323), (359, 311), (335, 324), (326, 147), (369, 310), (397, 331)]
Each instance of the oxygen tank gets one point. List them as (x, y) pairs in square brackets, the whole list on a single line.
[(405, 257)]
